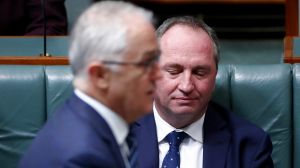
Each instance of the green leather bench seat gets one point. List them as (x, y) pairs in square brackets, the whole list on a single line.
[(267, 95), (296, 114), (261, 94), (222, 88), (264, 96), (58, 86), (28, 95), (22, 105)]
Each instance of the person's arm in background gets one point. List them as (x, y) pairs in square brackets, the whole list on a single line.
[(56, 17)]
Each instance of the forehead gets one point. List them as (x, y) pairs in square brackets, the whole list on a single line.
[(186, 45), (142, 41)]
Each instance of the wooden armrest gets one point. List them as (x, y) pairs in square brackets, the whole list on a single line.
[(9, 60)]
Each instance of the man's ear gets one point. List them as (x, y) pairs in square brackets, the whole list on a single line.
[(99, 75)]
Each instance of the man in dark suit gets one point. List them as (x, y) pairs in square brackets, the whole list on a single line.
[(186, 129), (25, 17), (114, 62)]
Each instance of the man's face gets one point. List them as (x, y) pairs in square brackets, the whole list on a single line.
[(188, 74), (133, 86)]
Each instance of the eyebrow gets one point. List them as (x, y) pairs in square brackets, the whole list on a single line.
[(202, 67), (176, 65)]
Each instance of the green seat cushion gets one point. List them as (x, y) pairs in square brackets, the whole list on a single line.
[(22, 110)]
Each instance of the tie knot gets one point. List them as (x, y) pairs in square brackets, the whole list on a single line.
[(175, 138)]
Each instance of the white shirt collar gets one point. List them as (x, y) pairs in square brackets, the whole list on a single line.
[(117, 124), (194, 130)]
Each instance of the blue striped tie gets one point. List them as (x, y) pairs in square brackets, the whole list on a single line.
[(172, 158), (132, 145)]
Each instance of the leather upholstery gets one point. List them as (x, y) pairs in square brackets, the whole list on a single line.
[(263, 95), (22, 108), (296, 114), (222, 88), (58, 86), (267, 95)]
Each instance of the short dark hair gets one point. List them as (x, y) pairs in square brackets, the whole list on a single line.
[(195, 24)]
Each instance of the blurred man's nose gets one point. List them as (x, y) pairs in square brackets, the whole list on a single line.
[(155, 72)]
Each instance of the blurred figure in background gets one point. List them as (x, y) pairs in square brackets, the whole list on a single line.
[(25, 17)]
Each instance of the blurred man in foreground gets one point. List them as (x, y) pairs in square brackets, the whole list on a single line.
[(113, 56)]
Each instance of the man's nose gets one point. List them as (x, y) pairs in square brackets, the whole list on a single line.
[(186, 83)]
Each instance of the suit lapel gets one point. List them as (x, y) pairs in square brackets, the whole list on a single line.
[(216, 140), (215, 146), (148, 145), (86, 112)]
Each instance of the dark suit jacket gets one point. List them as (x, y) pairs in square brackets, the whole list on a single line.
[(229, 142), (25, 17), (76, 136)]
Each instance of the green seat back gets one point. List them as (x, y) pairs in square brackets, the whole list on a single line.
[(296, 117), (222, 89), (22, 110), (262, 94), (58, 86)]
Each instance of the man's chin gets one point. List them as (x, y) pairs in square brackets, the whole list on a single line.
[(184, 110)]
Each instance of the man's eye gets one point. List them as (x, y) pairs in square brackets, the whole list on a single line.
[(173, 71), (200, 73)]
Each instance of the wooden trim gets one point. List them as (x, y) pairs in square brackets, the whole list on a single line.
[(288, 51), (292, 60), (34, 60), (291, 18), (35, 36), (213, 1), (288, 46), (9, 60)]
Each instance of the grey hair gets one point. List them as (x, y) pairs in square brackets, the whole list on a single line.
[(195, 24), (101, 33)]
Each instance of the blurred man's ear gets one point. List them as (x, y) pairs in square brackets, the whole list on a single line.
[(98, 75)]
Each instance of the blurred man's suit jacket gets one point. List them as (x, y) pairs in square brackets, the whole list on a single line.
[(75, 136)]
